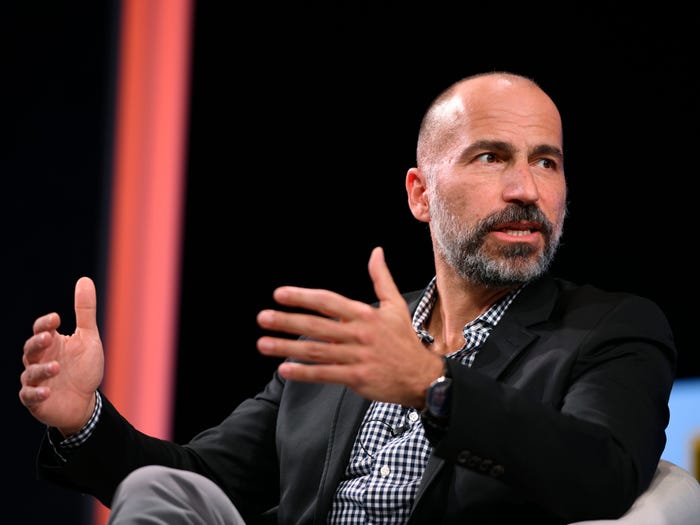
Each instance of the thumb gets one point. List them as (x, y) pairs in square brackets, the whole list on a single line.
[(85, 304), (384, 286)]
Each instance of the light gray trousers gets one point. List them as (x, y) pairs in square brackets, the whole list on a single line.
[(156, 495)]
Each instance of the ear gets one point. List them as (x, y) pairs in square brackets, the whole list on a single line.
[(417, 190)]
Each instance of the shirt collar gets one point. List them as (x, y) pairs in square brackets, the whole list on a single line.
[(427, 301)]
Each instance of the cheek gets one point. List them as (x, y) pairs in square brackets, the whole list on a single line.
[(468, 200), (456, 204), (555, 207)]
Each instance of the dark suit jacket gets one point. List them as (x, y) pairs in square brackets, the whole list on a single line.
[(562, 417)]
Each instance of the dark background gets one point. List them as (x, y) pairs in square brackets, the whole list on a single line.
[(302, 126)]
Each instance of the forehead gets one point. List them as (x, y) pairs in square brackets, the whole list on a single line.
[(519, 113)]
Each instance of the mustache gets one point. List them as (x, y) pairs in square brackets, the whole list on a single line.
[(515, 213)]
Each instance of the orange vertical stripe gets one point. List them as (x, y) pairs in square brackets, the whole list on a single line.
[(147, 200)]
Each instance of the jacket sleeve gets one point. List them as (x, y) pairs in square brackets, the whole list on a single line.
[(238, 454)]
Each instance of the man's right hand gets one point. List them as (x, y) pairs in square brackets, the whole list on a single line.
[(62, 372)]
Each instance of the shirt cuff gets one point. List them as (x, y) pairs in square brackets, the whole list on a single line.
[(62, 446)]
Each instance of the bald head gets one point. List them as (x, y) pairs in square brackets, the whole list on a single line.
[(478, 98)]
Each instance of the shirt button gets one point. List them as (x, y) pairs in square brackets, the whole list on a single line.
[(384, 471), (413, 417)]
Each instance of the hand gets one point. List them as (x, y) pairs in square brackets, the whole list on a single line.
[(62, 372), (373, 351)]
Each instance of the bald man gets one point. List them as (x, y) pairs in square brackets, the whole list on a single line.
[(498, 393)]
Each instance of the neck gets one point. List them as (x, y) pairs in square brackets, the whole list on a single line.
[(458, 302)]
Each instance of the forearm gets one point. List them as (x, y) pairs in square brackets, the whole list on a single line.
[(113, 449)]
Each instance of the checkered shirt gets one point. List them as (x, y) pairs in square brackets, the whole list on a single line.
[(390, 450)]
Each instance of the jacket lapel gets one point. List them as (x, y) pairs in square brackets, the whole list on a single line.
[(351, 409), (512, 334)]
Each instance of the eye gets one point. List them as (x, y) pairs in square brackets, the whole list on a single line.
[(487, 158), (548, 164)]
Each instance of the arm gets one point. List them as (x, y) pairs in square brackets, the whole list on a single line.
[(238, 454), (59, 384), (575, 418)]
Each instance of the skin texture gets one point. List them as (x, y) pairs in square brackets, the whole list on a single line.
[(490, 183)]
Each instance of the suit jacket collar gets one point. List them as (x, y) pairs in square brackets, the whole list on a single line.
[(351, 408), (512, 334), (533, 305)]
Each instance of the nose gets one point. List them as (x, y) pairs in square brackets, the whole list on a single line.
[(519, 184)]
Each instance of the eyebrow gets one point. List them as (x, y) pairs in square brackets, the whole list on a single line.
[(547, 149), (499, 145)]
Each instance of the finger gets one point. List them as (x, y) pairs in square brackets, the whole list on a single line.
[(384, 286), (34, 374), (316, 373), (46, 323), (302, 324), (34, 346), (30, 396), (305, 350), (325, 302), (85, 304)]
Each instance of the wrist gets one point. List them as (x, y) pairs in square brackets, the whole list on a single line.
[(438, 399), (89, 413)]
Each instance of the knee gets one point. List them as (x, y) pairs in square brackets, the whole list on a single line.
[(145, 478), (173, 496)]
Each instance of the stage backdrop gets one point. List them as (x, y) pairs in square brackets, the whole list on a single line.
[(292, 129)]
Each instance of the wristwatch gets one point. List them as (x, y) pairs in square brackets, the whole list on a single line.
[(437, 399)]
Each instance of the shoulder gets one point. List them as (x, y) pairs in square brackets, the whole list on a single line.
[(624, 311), (558, 300), (589, 294)]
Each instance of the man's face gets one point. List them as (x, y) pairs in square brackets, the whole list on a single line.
[(496, 190)]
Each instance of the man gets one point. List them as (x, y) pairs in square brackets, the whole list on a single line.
[(498, 393)]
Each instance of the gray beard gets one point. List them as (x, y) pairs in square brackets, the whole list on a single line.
[(463, 248)]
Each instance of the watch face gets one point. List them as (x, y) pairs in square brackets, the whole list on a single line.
[(438, 397)]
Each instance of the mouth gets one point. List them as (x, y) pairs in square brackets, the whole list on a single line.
[(517, 225), (517, 233), (519, 228), (522, 230)]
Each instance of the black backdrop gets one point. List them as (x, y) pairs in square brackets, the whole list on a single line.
[(303, 123)]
